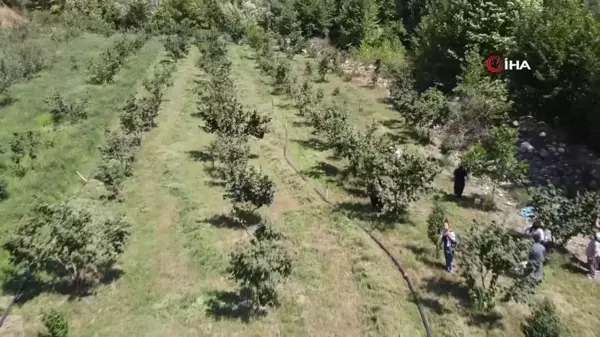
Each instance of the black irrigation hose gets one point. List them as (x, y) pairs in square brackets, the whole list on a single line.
[(411, 287)]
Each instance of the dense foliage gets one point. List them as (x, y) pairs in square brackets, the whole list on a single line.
[(261, 266), (566, 217), (55, 323), (67, 241), (435, 224), (543, 322), (488, 252), (496, 158)]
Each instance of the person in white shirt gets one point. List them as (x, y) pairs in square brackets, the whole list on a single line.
[(536, 229), (449, 241), (593, 256)]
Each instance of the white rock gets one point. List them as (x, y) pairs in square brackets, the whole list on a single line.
[(544, 153), (542, 134), (526, 146), (561, 150), (515, 123)]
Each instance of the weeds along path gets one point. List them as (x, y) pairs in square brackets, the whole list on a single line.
[(387, 306)]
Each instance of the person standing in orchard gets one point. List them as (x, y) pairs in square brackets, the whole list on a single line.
[(536, 258), (449, 242), (593, 256), (460, 176)]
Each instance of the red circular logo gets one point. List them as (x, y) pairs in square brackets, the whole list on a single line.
[(494, 64)]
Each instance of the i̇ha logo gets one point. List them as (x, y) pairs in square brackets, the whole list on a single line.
[(496, 64)]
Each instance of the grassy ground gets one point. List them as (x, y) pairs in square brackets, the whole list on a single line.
[(173, 280), (75, 147), (442, 293)]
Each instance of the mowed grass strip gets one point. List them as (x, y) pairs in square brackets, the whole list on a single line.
[(75, 147)]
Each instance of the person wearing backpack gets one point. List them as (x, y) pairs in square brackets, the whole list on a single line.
[(449, 242)]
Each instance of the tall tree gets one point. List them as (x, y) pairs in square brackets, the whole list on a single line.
[(496, 158), (561, 45), (314, 16), (452, 27)]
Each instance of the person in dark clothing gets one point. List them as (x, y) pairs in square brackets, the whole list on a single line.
[(536, 258), (374, 196), (460, 176)]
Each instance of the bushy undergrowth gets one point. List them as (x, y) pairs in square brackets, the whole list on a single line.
[(103, 68)]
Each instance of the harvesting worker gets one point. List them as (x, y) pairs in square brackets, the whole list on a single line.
[(449, 242), (593, 256), (536, 257), (460, 176)]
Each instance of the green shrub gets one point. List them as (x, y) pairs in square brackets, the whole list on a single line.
[(122, 147), (232, 153), (261, 266), (8, 73), (131, 121), (56, 323), (31, 57), (111, 173), (137, 14), (543, 322), (308, 69), (67, 242), (149, 108), (435, 224), (3, 189), (486, 253), (103, 68), (61, 110), (176, 46), (249, 189), (323, 67)]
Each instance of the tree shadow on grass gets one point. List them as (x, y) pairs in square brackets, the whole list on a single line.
[(313, 143), (202, 156), (286, 106), (441, 286), (387, 101), (393, 124), (473, 201), (489, 321), (233, 306), (322, 169), (365, 212), (433, 304), (235, 220), (574, 265), (300, 124), (426, 257), (28, 288), (356, 192), (205, 156), (6, 100)]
